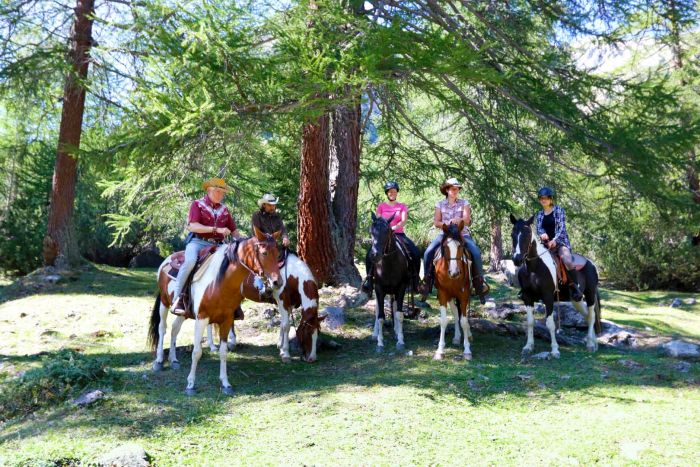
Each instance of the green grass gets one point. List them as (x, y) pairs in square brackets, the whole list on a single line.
[(353, 406)]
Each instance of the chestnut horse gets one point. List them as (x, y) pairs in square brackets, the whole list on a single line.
[(214, 298), (453, 286), (297, 290)]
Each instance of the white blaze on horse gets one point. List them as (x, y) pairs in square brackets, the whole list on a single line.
[(297, 290), (537, 275), (214, 297), (453, 287)]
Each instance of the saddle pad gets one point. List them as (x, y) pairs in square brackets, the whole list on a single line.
[(202, 269)]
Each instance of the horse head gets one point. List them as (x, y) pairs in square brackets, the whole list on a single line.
[(381, 236), (307, 333), (264, 254), (522, 238), (453, 247)]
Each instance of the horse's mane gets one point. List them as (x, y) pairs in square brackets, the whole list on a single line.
[(230, 257)]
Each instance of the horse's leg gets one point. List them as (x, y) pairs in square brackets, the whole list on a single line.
[(440, 352), (530, 325), (398, 322), (458, 335), (314, 341), (379, 321), (588, 312), (224, 329), (284, 334), (549, 307), (464, 321), (199, 325), (232, 337), (210, 339), (158, 364), (174, 331)]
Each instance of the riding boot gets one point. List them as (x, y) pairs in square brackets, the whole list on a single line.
[(481, 287), (178, 307), (368, 285), (426, 287), (576, 294)]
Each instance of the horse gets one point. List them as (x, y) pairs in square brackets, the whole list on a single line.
[(391, 277), (297, 289), (453, 286), (214, 298), (537, 276)]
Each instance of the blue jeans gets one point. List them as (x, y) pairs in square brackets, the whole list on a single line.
[(468, 242), (191, 251)]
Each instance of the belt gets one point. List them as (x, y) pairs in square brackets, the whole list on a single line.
[(209, 240)]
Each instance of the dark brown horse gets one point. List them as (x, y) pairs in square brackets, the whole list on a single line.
[(215, 296), (453, 286)]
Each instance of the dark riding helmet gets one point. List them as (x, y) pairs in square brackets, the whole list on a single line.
[(545, 191), (390, 185)]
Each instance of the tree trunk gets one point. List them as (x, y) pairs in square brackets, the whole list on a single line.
[(315, 244), (496, 253), (344, 185), (60, 246)]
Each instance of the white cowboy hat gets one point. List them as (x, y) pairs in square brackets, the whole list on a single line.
[(268, 198), (450, 182)]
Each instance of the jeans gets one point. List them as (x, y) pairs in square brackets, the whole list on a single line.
[(468, 242), (191, 251)]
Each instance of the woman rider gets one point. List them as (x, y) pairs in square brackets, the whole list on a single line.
[(452, 210), (400, 212), (551, 227)]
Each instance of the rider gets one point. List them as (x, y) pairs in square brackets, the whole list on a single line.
[(400, 213), (209, 222), (451, 210), (551, 227), (267, 219)]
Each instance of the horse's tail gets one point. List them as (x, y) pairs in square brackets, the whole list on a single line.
[(598, 325), (153, 332)]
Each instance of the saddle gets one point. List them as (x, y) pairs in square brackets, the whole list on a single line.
[(562, 275)]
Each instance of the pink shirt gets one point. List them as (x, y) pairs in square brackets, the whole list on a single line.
[(386, 210)]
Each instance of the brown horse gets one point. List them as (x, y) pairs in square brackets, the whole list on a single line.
[(453, 285), (215, 296)]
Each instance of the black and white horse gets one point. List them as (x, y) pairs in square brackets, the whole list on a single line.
[(391, 277), (537, 275)]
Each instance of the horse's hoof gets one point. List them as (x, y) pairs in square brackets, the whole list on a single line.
[(286, 359), (379, 349), (592, 348), (175, 365), (555, 354), (227, 390), (400, 347), (157, 366), (190, 392), (467, 356), (437, 356)]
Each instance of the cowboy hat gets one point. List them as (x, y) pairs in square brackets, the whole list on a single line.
[(268, 198), (450, 182), (216, 183)]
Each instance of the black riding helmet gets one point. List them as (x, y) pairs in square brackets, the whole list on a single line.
[(545, 191), (390, 185)]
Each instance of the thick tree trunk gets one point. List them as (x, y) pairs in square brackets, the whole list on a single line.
[(496, 253), (315, 244), (60, 246), (344, 185)]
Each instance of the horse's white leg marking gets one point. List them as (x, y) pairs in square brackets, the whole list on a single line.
[(161, 333), (174, 331), (552, 334), (443, 325), (231, 343), (314, 340), (530, 325), (378, 326), (199, 325), (210, 339), (223, 376), (465, 325), (458, 334), (398, 326), (375, 331), (284, 333), (589, 313)]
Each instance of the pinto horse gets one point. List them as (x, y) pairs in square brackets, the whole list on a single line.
[(391, 277), (453, 286), (297, 290), (214, 298), (538, 280)]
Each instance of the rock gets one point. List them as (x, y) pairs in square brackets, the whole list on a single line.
[(490, 304), (617, 336), (539, 308), (127, 455), (542, 356), (522, 377), (88, 398), (682, 366), (630, 364), (335, 317), (52, 278), (510, 271), (681, 349), (269, 313), (503, 311), (690, 301), (329, 345), (146, 259), (675, 303), (22, 315), (570, 317)]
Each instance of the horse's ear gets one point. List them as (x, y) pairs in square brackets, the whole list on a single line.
[(258, 234), (277, 234), (391, 218), (445, 227), (530, 220), (374, 216), (513, 220)]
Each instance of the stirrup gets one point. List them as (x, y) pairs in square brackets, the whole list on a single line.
[(177, 308)]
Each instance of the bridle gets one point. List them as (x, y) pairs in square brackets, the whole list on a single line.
[(386, 248), (256, 248), (445, 251)]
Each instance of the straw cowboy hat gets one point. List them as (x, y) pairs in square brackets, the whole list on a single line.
[(450, 182), (216, 183), (268, 198)]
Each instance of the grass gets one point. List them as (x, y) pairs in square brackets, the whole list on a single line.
[(353, 406)]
